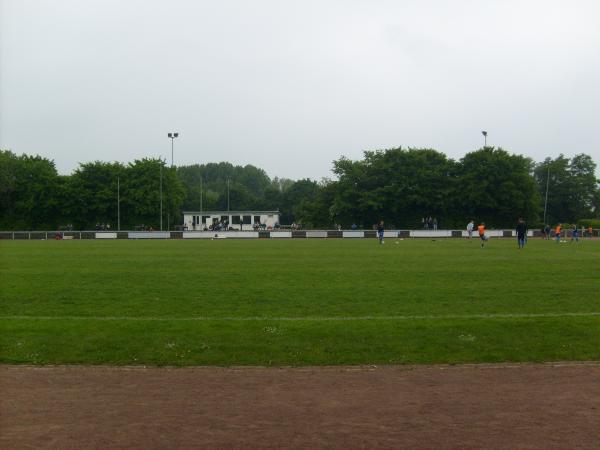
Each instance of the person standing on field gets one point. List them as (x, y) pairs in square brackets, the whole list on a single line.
[(470, 226), (521, 231), (380, 232), (481, 231), (557, 232), (575, 234)]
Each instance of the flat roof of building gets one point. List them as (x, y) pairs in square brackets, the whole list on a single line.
[(229, 213)]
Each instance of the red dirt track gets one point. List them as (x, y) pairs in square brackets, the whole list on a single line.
[(471, 406)]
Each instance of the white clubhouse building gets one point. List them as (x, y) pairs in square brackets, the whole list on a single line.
[(239, 220)]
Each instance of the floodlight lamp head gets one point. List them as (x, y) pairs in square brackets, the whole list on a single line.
[(170, 135), (484, 133), (176, 134)]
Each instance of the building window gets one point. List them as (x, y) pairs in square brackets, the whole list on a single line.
[(235, 220), (246, 219), (256, 219), (204, 218)]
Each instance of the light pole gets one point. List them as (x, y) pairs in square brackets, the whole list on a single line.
[(172, 136), (546, 201), (484, 138), (161, 196), (118, 204), (227, 194)]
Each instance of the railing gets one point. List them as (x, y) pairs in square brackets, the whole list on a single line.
[(274, 234)]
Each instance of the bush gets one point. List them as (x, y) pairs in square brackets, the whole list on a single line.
[(586, 223)]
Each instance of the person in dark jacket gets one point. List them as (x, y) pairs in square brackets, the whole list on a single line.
[(521, 231), (380, 231)]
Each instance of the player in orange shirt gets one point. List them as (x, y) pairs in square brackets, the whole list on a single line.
[(557, 231), (482, 236)]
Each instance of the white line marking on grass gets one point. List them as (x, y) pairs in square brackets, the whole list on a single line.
[(309, 318)]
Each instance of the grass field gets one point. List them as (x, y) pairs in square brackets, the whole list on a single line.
[(297, 302)]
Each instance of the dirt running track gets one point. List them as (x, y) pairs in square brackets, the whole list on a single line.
[(501, 406)]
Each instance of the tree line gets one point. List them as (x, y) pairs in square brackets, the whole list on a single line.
[(399, 186)]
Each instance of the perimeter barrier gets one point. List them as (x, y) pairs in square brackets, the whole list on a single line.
[(263, 234)]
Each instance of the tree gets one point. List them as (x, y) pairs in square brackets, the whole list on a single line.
[(497, 187), (140, 199), (247, 186), (31, 192), (92, 194), (296, 201), (572, 187), (396, 185), (320, 212)]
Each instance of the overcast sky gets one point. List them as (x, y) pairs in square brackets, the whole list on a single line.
[(289, 86)]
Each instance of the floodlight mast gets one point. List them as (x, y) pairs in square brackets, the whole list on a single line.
[(546, 200), (118, 203), (172, 136), (484, 138), (161, 196)]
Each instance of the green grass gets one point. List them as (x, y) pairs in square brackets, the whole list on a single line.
[(232, 302)]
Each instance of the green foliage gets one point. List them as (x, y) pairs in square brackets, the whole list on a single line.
[(140, 199), (91, 194), (249, 189), (573, 190), (297, 199), (496, 187), (396, 185), (399, 186), (403, 186), (594, 223), (30, 192), (206, 186)]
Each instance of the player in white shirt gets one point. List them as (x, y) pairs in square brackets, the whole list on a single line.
[(470, 226)]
